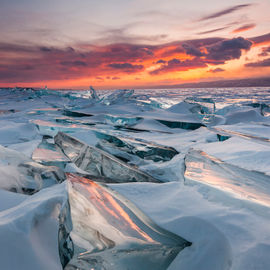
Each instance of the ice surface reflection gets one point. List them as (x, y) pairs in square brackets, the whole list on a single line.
[(98, 162), (109, 232), (249, 185)]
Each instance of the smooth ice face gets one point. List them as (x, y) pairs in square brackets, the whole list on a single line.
[(47, 154), (100, 229), (248, 185), (51, 128), (140, 148), (99, 163)]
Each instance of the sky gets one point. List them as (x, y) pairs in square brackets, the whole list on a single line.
[(132, 43)]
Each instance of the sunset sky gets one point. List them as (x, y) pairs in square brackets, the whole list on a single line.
[(131, 43)]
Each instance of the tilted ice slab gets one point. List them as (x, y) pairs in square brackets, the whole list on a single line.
[(117, 96), (130, 113), (244, 115), (139, 147), (126, 147), (248, 185), (21, 174), (257, 131), (206, 105), (248, 154), (202, 108), (100, 229), (47, 153), (121, 120), (98, 162), (50, 128)]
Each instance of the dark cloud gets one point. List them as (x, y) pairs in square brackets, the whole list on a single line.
[(74, 63), (203, 42), (263, 63), (174, 62), (45, 49), (115, 78), (265, 51), (228, 49), (7, 47), (160, 61), (216, 70), (126, 67), (243, 28), (191, 50), (48, 63), (218, 52), (178, 65), (224, 12)]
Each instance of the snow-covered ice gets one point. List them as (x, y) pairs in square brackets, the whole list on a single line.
[(196, 162)]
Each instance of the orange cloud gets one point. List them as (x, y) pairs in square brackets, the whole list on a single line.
[(118, 64), (243, 28)]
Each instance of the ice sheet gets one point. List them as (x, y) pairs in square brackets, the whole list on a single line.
[(229, 228), (109, 232)]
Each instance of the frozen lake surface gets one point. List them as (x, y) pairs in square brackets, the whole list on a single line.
[(144, 179)]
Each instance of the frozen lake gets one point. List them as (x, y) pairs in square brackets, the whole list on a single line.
[(144, 179)]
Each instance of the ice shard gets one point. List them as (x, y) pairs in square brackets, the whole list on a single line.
[(252, 131), (21, 174), (117, 96), (141, 148), (93, 93), (223, 138), (51, 128), (264, 108), (47, 154), (98, 162), (100, 229), (245, 184), (122, 120), (204, 107)]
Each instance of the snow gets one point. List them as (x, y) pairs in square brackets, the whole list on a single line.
[(229, 230)]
